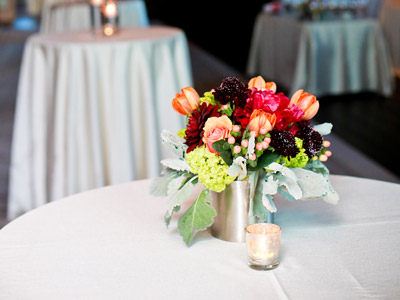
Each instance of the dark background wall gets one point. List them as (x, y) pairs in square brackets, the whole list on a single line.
[(221, 27)]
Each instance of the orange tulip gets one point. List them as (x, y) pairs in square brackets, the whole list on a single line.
[(261, 119), (260, 84), (186, 102), (306, 102)]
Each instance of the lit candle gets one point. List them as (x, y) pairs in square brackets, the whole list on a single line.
[(263, 243), (108, 29), (110, 10)]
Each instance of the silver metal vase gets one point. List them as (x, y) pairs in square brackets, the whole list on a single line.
[(232, 206)]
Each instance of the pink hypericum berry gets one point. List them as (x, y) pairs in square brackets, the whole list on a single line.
[(265, 145), (236, 128), (231, 140), (323, 157), (326, 144), (245, 143), (237, 149), (223, 107), (263, 130), (267, 140), (252, 133), (253, 156), (259, 146), (328, 153), (315, 158)]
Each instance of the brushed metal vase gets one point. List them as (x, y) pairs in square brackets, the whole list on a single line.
[(232, 206)]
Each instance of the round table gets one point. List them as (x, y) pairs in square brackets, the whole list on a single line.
[(111, 243), (61, 16), (90, 111), (321, 57)]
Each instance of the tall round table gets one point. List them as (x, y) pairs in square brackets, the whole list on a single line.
[(111, 243), (90, 111)]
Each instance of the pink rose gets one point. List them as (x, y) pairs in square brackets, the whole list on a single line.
[(215, 129)]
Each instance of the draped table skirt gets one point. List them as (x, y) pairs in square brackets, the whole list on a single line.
[(90, 111), (323, 58)]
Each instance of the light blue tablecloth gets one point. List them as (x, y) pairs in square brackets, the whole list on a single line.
[(77, 17), (323, 58)]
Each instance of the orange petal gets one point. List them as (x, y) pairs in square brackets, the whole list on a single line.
[(296, 97), (311, 112), (270, 86), (192, 96), (257, 82)]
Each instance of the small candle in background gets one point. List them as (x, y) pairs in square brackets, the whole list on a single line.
[(108, 29), (263, 243), (110, 14), (110, 11)]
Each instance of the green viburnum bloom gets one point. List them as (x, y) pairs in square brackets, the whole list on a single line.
[(208, 97), (182, 133), (300, 160), (210, 167)]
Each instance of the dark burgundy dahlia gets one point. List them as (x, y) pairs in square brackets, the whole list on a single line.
[(312, 140), (232, 91), (284, 142), (194, 130)]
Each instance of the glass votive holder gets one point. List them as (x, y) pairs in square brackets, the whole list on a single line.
[(263, 243)]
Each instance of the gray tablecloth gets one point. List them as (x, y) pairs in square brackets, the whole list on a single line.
[(389, 18), (330, 57)]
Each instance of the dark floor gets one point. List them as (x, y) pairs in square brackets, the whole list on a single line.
[(366, 126)]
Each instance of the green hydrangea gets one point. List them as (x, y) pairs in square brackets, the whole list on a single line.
[(208, 97), (182, 133), (300, 160), (210, 167)]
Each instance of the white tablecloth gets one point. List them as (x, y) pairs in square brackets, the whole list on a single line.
[(112, 243), (90, 111), (77, 17), (323, 58)]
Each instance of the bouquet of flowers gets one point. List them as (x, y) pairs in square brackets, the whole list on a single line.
[(247, 132)]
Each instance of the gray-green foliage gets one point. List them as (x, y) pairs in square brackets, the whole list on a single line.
[(198, 217)]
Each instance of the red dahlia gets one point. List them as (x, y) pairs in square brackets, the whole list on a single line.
[(194, 130)]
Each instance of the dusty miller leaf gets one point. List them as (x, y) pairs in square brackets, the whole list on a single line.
[(176, 183), (313, 185), (176, 200), (270, 186), (268, 202), (176, 164), (159, 186), (238, 168), (324, 129), (259, 209), (198, 217), (174, 142), (251, 146)]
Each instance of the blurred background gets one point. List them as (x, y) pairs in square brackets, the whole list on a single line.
[(257, 38)]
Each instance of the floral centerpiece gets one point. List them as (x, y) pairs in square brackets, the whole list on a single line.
[(247, 132)]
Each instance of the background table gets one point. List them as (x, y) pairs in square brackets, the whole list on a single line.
[(389, 18), (111, 243), (90, 111), (61, 18), (323, 58)]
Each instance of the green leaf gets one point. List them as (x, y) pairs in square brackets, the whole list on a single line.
[(176, 201), (226, 154), (174, 143), (259, 209), (176, 164), (198, 217), (324, 129), (312, 184), (159, 186), (264, 160)]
